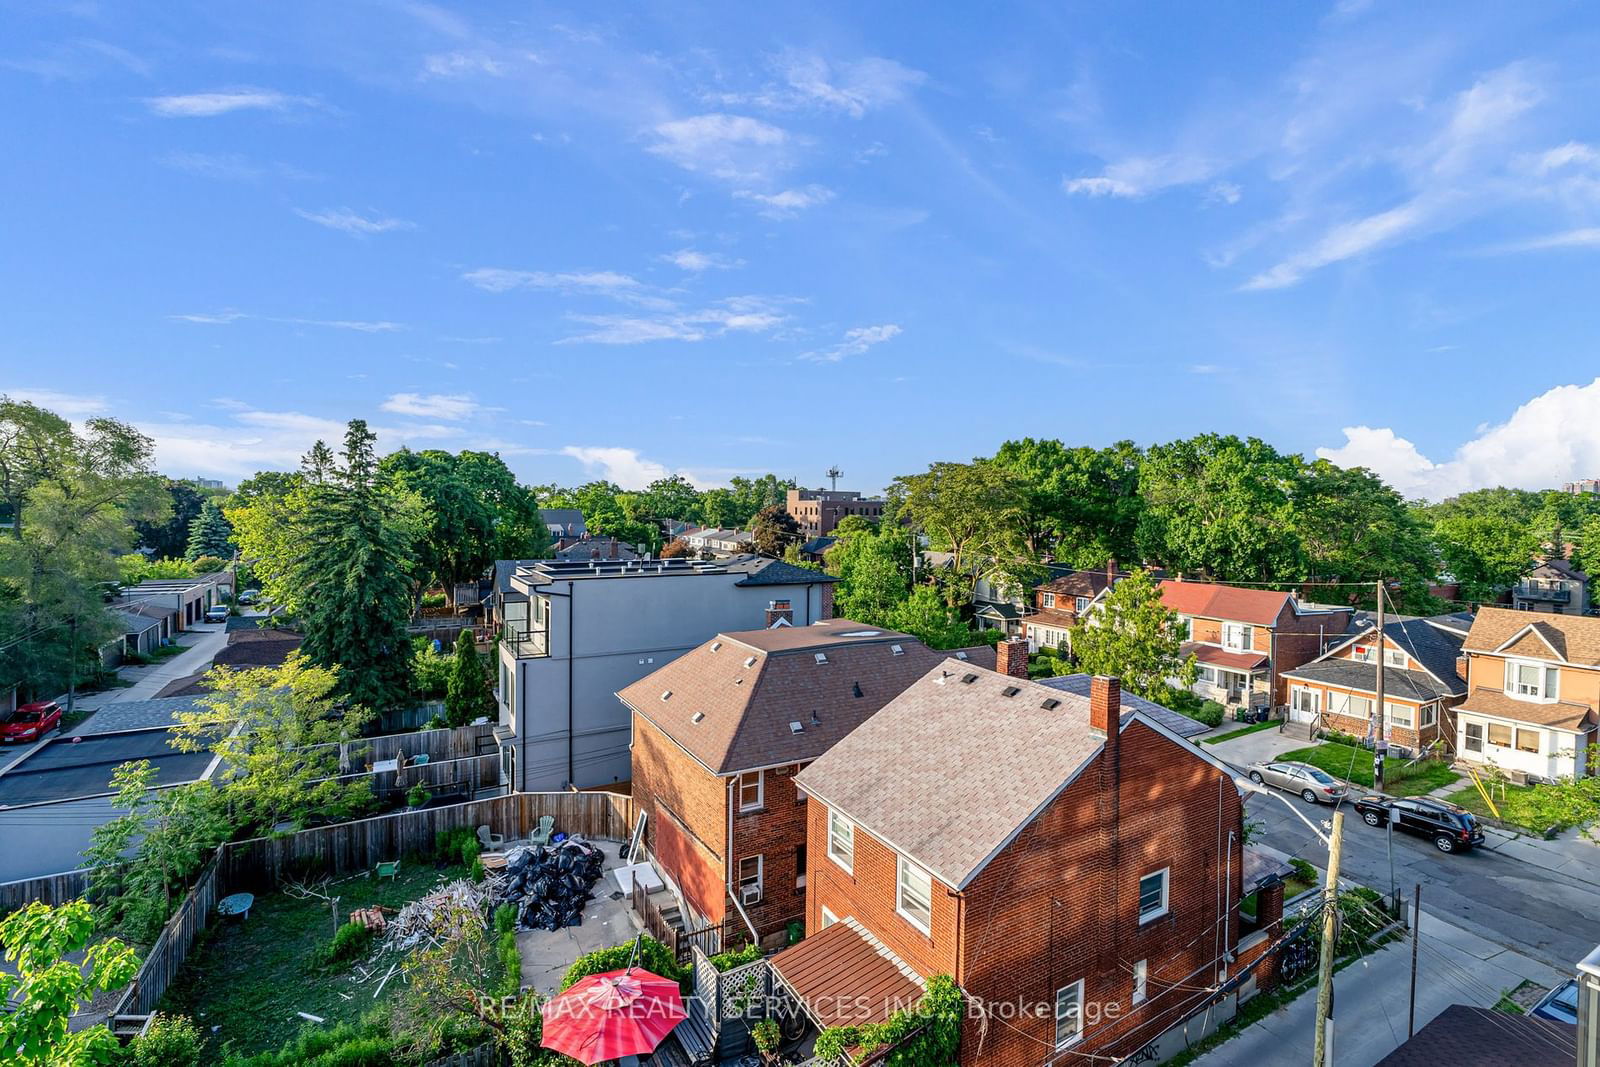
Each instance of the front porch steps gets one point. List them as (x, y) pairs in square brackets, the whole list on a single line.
[(1305, 731)]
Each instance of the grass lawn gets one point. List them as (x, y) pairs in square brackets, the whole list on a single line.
[(1270, 724), (1355, 764), (1536, 808), (249, 977)]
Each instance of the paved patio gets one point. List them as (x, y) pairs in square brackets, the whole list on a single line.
[(607, 921)]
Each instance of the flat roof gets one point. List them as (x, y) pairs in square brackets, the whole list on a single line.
[(66, 768)]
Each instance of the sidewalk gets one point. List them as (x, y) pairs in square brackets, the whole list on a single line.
[(1371, 998)]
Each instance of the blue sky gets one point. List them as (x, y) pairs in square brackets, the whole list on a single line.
[(624, 240)]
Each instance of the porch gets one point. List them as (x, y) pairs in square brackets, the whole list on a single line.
[(1233, 679)]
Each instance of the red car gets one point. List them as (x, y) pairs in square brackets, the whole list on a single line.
[(30, 722)]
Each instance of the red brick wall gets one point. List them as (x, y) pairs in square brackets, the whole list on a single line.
[(776, 833), (668, 785), (826, 610), (1299, 640)]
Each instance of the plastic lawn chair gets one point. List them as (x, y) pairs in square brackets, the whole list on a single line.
[(389, 870), (541, 836), (489, 839)]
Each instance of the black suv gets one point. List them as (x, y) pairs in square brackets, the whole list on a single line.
[(1452, 828)]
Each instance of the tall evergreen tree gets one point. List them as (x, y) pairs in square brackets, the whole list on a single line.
[(358, 535), (209, 533), (467, 693)]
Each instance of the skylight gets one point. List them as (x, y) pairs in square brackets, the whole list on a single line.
[(961, 655), (861, 633), (822, 657), (750, 662), (897, 650), (795, 727)]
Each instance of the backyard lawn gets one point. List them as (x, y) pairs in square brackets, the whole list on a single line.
[(1355, 764), (247, 978)]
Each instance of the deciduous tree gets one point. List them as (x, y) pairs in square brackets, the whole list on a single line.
[(774, 531), (1134, 636), (45, 988)]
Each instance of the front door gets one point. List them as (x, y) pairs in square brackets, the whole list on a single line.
[(1303, 704)]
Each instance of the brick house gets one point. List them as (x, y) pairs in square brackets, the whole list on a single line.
[(1006, 834), (1533, 694), (1422, 681), (718, 735), (1059, 603), (1245, 639)]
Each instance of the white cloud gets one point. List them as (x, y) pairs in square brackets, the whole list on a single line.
[(1344, 241), (223, 318), (729, 147), (453, 406), (743, 314), (461, 64), (1582, 237), (347, 221), (220, 102), (604, 282), (1553, 438), (856, 341), (1205, 368), (1143, 175), (690, 260), (789, 202), (853, 87), (67, 405), (626, 467)]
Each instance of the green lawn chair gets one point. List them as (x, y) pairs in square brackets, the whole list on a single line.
[(541, 836), (390, 869)]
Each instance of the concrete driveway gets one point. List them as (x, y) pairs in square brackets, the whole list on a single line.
[(547, 954)]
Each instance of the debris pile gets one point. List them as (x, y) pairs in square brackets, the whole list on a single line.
[(550, 885), (440, 915)]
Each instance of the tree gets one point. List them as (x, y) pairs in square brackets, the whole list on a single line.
[(774, 531), (467, 695), (671, 498), (1082, 504), (142, 859), (1134, 637), (874, 574), (1486, 555), (972, 510), (676, 548), (357, 534), (282, 734), (169, 539), (46, 988), (926, 615), (1352, 527), (35, 446), (209, 534)]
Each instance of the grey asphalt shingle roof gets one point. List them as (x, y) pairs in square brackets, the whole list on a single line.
[(136, 715), (1467, 1036), (1348, 674), (758, 570), (1435, 643), (1178, 723), (134, 623)]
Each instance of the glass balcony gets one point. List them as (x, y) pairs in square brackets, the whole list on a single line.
[(525, 644)]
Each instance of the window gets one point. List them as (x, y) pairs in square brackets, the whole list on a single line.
[(1208, 675), (1153, 895), (750, 880), (1499, 735), (1531, 681), (1398, 714), (1047, 600), (914, 895), (1394, 657), (1141, 976), (1474, 737), (841, 841), (1069, 1014), (1430, 715), (1236, 635), (800, 867), (1081, 604), (1304, 700), (1528, 740), (1185, 628), (1363, 653), (828, 918), (752, 789), (1361, 707)]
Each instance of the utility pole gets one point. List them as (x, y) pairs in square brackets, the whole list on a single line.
[(1380, 746), (1416, 932), (72, 664), (1323, 1056)]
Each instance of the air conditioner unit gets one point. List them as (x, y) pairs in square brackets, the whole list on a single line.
[(749, 894)]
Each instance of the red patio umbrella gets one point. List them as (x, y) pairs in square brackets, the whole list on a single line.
[(612, 1015)]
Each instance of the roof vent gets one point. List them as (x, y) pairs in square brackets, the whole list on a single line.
[(822, 657), (666, 696), (697, 716), (716, 646), (1050, 704), (961, 655), (750, 662), (795, 727), (968, 679), (896, 650), (815, 721), (943, 676), (856, 689), (1010, 691)]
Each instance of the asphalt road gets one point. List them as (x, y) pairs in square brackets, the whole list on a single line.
[(1550, 916)]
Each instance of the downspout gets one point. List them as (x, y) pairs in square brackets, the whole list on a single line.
[(572, 613), (728, 869)]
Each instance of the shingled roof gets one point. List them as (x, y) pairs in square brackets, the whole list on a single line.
[(1574, 639), (1467, 1036), (732, 702)]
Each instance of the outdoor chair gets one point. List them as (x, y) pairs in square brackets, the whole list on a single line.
[(390, 869), (491, 841), (541, 836)]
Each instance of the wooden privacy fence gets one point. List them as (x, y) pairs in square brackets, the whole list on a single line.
[(681, 943), (466, 776), (51, 889), (166, 956)]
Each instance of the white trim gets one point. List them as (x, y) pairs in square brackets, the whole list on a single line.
[(847, 866), (1165, 874), (1077, 1034), (761, 792), (901, 867), (1371, 634), (828, 918), (1500, 650), (1141, 981), (761, 877)]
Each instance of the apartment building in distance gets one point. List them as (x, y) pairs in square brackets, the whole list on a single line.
[(818, 511), (574, 633)]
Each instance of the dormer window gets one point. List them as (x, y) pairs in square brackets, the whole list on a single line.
[(1080, 605), (1047, 600), (1532, 681), (1394, 657), (1237, 636)]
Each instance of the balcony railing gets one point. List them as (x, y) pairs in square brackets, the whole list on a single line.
[(1553, 594), (526, 644)]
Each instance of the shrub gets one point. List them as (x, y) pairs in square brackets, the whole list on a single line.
[(1210, 713), (350, 941), (418, 795), (1304, 871), (505, 918), (505, 950), (766, 1035), (653, 957), (459, 844), (171, 1041), (363, 1044), (727, 961), (939, 1011)]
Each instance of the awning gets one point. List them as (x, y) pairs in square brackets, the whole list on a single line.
[(1212, 656), (842, 979)]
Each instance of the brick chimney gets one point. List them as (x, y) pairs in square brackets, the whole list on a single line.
[(1105, 706), (826, 610), (1111, 571), (1011, 657), (779, 610), (613, 548)]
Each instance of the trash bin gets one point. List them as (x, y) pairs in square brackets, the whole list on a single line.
[(797, 933)]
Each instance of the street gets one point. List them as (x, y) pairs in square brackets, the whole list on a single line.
[(1508, 892)]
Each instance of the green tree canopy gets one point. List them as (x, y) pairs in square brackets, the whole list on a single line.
[(44, 990), (209, 534), (467, 695), (774, 531), (1133, 636)]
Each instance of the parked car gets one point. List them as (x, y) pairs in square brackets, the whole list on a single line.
[(1452, 828), (249, 596), (217, 614), (30, 722), (1315, 785), (1560, 1004)]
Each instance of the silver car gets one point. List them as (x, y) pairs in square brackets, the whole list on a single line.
[(1315, 785)]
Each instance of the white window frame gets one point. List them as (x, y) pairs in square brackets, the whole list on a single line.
[(903, 867), (1080, 604), (1546, 690), (1538, 740), (1429, 716), (1238, 636), (1394, 657), (1363, 653), (1165, 874), (1368, 703), (759, 881), (1073, 995), (1141, 981), (1467, 726), (842, 829), (828, 918), (1399, 715), (761, 791), (1297, 693), (1047, 600)]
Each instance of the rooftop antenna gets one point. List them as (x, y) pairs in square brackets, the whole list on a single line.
[(833, 475)]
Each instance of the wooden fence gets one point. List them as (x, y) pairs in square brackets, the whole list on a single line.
[(681, 943), (456, 743), (51, 889), (166, 956)]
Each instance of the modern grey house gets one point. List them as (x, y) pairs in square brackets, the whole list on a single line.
[(573, 633)]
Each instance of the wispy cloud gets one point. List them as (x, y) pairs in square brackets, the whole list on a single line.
[(1582, 237), (855, 342), (463, 64), (222, 101), (223, 318), (694, 261), (806, 80), (627, 467), (453, 407), (67, 405), (345, 220), (1143, 176), (789, 202), (741, 314), (604, 282), (733, 148)]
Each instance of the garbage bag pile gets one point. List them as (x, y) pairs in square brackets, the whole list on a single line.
[(550, 885)]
